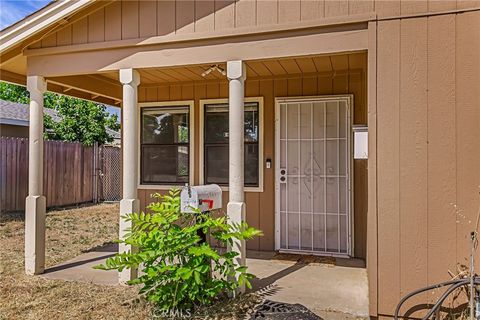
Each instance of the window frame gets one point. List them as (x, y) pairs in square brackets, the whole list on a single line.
[(201, 146), (191, 145)]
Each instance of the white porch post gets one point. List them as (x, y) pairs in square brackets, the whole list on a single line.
[(236, 74), (35, 206), (130, 80)]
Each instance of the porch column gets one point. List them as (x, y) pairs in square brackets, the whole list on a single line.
[(236, 74), (130, 80), (35, 206)]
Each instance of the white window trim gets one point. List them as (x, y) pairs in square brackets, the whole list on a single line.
[(203, 102), (190, 104)]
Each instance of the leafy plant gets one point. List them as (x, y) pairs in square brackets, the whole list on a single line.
[(179, 271)]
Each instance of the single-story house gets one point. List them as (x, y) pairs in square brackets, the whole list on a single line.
[(273, 100), (14, 119)]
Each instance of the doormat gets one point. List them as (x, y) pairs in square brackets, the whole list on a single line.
[(306, 259), (273, 310)]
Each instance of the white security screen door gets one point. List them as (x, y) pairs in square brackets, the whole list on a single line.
[(313, 175)]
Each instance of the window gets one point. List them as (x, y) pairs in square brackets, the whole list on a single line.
[(165, 146), (216, 144)]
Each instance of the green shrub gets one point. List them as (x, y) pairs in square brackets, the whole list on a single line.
[(180, 272)]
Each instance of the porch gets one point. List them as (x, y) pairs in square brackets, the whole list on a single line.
[(323, 285), (325, 93), (329, 78)]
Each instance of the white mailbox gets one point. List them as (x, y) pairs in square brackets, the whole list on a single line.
[(205, 198)]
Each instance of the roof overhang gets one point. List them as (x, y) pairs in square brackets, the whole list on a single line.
[(15, 39), (53, 13)]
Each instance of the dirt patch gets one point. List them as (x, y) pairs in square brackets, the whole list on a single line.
[(68, 234)]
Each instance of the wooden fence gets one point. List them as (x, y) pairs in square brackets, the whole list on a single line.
[(71, 173)]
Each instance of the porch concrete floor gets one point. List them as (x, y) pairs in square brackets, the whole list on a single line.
[(331, 288)]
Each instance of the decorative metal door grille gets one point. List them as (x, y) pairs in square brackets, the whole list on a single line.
[(313, 175)]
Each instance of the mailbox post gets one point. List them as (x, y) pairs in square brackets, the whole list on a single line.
[(203, 198)]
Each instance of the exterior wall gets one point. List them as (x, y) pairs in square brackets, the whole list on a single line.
[(8, 130), (428, 150), (261, 205), (133, 19), (140, 19)]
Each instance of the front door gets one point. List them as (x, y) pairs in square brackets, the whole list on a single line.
[(313, 175)]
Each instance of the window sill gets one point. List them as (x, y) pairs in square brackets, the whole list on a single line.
[(246, 189), (158, 187), (169, 187)]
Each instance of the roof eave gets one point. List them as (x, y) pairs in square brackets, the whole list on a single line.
[(14, 122), (39, 21)]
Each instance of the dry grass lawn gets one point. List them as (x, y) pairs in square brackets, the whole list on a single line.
[(69, 233)]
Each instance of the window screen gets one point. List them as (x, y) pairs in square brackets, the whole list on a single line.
[(216, 144), (165, 145)]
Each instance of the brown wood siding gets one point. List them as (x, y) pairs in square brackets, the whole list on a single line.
[(130, 19), (8, 130), (428, 151), (261, 205)]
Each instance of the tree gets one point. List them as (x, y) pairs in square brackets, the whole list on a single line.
[(13, 93), (79, 120)]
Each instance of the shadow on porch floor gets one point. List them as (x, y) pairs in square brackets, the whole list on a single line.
[(332, 288)]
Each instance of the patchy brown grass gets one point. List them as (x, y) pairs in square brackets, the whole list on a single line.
[(69, 233)]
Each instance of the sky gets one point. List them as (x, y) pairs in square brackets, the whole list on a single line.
[(12, 11)]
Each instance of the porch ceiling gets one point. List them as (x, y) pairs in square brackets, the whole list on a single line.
[(106, 87), (255, 69)]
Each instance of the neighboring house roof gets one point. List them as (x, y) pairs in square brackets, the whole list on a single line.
[(18, 114), (114, 134)]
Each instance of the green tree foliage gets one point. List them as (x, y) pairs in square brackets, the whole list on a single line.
[(80, 120), (181, 272), (13, 93)]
